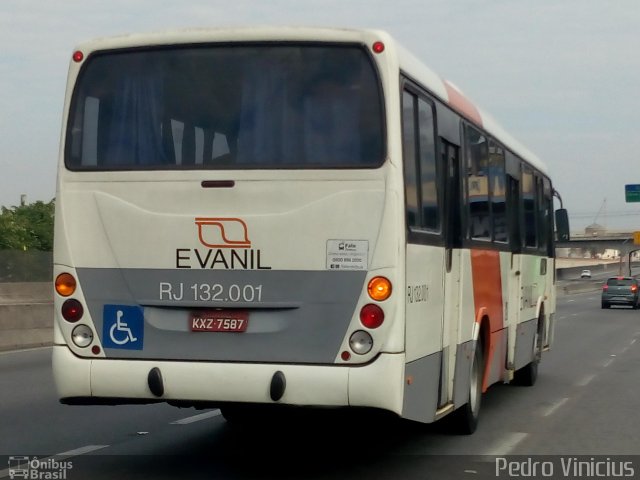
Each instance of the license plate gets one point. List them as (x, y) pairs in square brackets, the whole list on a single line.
[(219, 321)]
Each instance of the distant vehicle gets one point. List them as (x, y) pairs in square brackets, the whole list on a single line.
[(620, 291), (585, 274)]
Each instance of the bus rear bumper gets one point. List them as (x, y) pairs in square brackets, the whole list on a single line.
[(103, 381)]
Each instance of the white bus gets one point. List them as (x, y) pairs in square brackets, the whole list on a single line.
[(292, 216)]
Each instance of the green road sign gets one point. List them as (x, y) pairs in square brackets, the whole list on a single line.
[(632, 193)]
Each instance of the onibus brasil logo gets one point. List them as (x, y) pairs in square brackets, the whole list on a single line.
[(33, 468), (226, 246)]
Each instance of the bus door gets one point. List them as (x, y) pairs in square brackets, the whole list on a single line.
[(453, 243), (514, 211), (425, 258)]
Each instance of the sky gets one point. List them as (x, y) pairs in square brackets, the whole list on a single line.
[(559, 75)]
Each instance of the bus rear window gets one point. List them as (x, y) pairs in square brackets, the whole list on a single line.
[(232, 106)]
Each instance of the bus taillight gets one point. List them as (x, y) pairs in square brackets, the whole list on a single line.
[(378, 47), (379, 288), (361, 342), (72, 310), (65, 284), (82, 336), (371, 316)]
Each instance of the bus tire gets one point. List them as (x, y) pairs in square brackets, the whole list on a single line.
[(251, 414), (232, 414), (465, 419), (241, 414), (528, 374)]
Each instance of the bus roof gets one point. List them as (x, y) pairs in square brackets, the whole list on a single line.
[(407, 62), (456, 99)]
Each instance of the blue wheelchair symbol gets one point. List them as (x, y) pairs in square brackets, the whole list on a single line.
[(123, 327)]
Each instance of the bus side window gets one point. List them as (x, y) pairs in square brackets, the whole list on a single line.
[(420, 170), (544, 213), (529, 204), (428, 172), (513, 167), (410, 164), (477, 179), (498, 190)]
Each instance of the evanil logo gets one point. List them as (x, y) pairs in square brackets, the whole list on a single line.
[(227, 246), (223, 232)]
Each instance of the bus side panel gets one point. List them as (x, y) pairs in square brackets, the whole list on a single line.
[(424, 300), (462, 379), (526, 332), (421, 388)]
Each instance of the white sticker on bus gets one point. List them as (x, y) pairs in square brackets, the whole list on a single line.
[(347, 254)]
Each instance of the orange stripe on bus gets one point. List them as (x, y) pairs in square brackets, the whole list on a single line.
[(487, 285), (487, 297), (462, 104)]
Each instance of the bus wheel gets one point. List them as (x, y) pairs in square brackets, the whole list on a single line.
[(240, 414), (465, 418), (528, 374), (232, 414)]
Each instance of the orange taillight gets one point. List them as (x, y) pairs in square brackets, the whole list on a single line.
[(379, 288), (65, 284)]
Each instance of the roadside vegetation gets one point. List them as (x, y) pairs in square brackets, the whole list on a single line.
[(27, 227)]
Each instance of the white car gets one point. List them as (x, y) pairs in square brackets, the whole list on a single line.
[(585, 274)]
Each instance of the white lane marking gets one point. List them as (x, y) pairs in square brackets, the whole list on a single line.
[(608, 362), (197, 418), (554, 407), (633, 341), (507, 444), (61, 456), (80, 451), (586, 380)]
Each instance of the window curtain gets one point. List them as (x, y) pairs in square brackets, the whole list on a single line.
[(135, 124)]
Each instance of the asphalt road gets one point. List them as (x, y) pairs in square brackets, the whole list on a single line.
[(584, 407)]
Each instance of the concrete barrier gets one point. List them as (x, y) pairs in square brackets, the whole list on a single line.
[(568, 288), (26, 311), (26, 315)]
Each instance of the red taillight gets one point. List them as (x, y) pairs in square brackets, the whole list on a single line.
[(378, 47), (605, 287), (72, 310), (78, 56), (634, 288), (371, 316)]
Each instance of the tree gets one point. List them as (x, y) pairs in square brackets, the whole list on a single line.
[(27, 227)]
